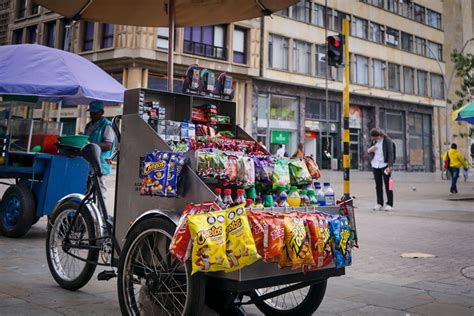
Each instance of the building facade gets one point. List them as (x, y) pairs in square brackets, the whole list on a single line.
[(4, 20), (396, 80)]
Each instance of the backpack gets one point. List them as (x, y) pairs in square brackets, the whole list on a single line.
[(447, 161)]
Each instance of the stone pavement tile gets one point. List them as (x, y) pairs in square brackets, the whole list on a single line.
[(444, 298), (8, 300), (57, 297), (383, 278), (334, 305), (389, 301), (439, 287), (27, 310), (436, 309), (375, 311), (98, 309)]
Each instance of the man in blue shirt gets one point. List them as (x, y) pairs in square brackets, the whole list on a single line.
[(100, 132)]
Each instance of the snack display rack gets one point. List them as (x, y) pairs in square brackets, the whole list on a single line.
[(137, 139)]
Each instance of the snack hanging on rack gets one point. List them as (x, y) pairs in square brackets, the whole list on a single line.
[(297, 249), (175, 167), (257, 226), (326, 234), (240, 246), (209, 242), (281, 174), (181, 241), (313, 168), (274, 234), (299, 173), (264, 167), (245, 172), (149, 179), (316, 240), (342, 245), (156, 172), (231, 170)]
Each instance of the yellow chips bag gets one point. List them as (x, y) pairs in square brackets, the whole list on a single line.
[(298, 250), (209, 242), (240, 249)]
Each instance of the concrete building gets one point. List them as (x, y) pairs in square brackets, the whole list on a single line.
[(396, 81), (4, 20)]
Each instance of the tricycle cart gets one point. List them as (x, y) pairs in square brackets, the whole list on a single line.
[(137, 239), (38, 176)]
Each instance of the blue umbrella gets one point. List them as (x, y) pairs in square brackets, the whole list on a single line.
[(54, 75)]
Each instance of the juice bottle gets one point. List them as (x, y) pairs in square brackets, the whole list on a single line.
[(228, 197), (294, 198), (240, 196)]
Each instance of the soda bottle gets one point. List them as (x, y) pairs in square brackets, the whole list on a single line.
[(304, 198), (240, 199), (294, 198), (228, 197), (329, 194), (218, 192), (320, 195), (249, 203), (312, 198)]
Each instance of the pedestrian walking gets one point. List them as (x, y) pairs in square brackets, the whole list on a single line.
[(453, 161), (382, 154)]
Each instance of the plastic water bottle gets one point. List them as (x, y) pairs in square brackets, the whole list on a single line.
[(329, 194), (320, 197)]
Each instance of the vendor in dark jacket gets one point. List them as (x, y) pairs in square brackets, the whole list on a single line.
[(382, 154)]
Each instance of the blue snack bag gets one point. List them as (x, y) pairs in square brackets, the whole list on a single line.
[(342, 240), (175, 168), (148, 180), (161, 174)]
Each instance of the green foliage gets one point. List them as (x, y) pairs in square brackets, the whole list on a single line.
[(464, 66)]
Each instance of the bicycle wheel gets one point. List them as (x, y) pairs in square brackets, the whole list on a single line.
[(150, 280), (67, 265), (301, 302)]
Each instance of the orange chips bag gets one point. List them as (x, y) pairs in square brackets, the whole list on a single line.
[(315, 240), (240, 245), (297, 248), (257, 224), (273, 241), (209, 242)]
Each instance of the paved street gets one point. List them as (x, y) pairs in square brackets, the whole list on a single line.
[(380, 282)]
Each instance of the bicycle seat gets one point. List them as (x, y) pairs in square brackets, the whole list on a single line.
[(91, 153)]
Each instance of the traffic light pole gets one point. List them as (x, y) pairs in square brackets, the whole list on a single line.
[(345, 98)]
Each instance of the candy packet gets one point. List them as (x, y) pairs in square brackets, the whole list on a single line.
[(240, 246)]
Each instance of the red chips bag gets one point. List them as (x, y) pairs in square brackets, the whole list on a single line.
[(313, 167), (257, 224), (315, 239), (181, 241), (273, 242)]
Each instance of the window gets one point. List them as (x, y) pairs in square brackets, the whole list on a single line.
[(339, 73), (17, 36), (361, 70), (422, 80), (50, 36), (20, 9), (34, 9), (437, 86), (433, 18), (392, 5), (359, 27), (321, 61), (316, 110), (318, 15), (32, 34), (406, 9), (435, 51), (377, 32), (377, 3), (408, 80), (240, 46), (420, 46), (407, 42), (162, 35), (392, 37), (283, 108), (262, 106), (107, 38), (206, 41), (419, 13), (302, 11), (378, 67), (301, 57), (88, 36), (277, 52), (394, 77), (284, 12), (338, 17)]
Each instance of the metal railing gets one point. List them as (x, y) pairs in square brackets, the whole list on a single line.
[(206, 50)]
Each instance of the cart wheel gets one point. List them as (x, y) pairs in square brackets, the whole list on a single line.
[(150, 280), (304, 301), (17, 211), (69, 269)]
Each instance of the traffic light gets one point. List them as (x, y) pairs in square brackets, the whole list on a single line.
[(335, 50)]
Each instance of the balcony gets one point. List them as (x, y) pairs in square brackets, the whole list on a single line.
[(205, 50)]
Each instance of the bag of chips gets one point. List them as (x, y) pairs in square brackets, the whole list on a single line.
[(299, 173), (257, 226), (209, 242), (148, 180), (315, 240), (281, 174), (298, 251), (264, 167), (181, 242), (341, 233), (313, 168), (231, 170), (175, 167), (274, 234), (240, 246), (327, 239), (245, 172)]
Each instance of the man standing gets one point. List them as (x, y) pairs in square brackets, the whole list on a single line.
[(456, 161), (280, 153), (382, 154), (100, 132)]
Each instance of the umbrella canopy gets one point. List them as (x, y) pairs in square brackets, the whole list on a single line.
[(155, 12), (54, 75), (466, 113)]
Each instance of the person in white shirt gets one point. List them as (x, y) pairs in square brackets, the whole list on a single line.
[(382, 153), (280, 151)]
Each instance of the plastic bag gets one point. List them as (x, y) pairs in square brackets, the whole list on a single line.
[(313, 168), (257, 226), (281, 174), (341, 233), (274, 237), (264, 167), (297, 249), (299, 173), (245, 172)]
